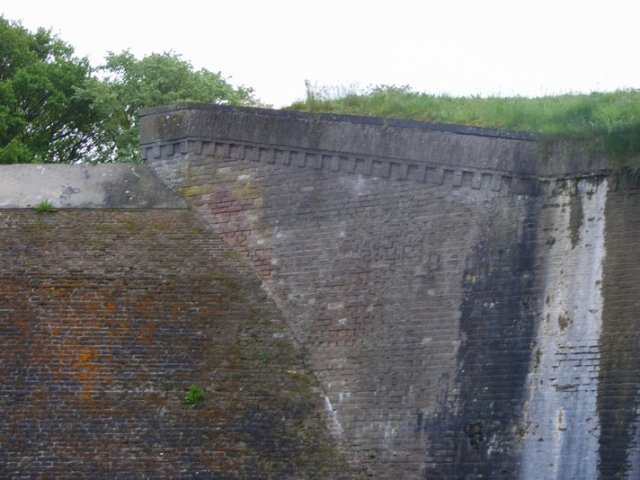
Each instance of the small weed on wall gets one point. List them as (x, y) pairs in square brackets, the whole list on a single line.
[(195, 395), (45, 206)]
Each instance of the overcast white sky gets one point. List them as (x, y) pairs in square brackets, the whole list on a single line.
[(459, 47)]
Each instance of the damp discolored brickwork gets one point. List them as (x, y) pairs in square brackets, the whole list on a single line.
[(465, 296), (410, 260), (618, 397), (497, 324), (370, 274), (108, 316), (444, 301)]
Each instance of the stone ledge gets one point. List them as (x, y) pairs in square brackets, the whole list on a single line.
[(84, 186), (454, 147)]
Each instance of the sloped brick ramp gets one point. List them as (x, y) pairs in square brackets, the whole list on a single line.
[(107, 316)]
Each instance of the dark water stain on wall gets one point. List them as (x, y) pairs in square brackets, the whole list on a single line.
[(619, 383), (575, 219), (480, 439)]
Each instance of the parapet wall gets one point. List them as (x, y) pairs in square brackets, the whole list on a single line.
[(460, 292), (433, 154)]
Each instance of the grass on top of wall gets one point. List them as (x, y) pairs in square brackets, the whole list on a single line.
[(610, 120)]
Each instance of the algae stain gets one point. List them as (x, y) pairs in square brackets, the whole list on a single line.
[(248, 191), (576, 218), (132, 226), (563, 321), (39, 227), (233, 255), (194, 190), (538, 358), (167, 125)]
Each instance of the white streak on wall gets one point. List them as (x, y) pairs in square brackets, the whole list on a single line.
[(335, 425), (561, 421)]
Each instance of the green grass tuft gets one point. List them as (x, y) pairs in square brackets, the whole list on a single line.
[(194, 396), (45, 207), (609, 120)]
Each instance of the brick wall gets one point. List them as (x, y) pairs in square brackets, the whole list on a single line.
[(108, 316), (465, 302), (370, 274), (451, 285), (618, 396)]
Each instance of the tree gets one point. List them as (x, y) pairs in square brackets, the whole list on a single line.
[(42, 117), (54, 107), (157, 79)]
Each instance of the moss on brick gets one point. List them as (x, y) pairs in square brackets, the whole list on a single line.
[(116, 315)]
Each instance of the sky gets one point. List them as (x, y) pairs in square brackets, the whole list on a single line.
[(455, 47)]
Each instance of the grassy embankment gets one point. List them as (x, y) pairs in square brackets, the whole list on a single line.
[(607, 121)]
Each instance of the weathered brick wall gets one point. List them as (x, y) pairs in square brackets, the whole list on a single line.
[(466, 300), (618, 395), (108, 316), (371, 274), (454, 287)]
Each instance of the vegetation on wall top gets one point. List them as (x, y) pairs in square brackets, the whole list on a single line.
[(56, 107), (609, 120)]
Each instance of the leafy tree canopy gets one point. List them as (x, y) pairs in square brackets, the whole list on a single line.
[(54, 107), (157, 79), (41, 117)]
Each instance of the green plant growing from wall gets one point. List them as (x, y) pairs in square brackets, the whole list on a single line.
[(53, 295), (45, 206), (195, 395)]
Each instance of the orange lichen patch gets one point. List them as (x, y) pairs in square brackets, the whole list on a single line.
[(211, 312), (110, 307), (88, 371), (86, 392), (146, 308), (94, 306), (20, 322), (146, 332), (39, 396), (56, 330), (84, 376), (214, 414), (102, 363), (87, 356)]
